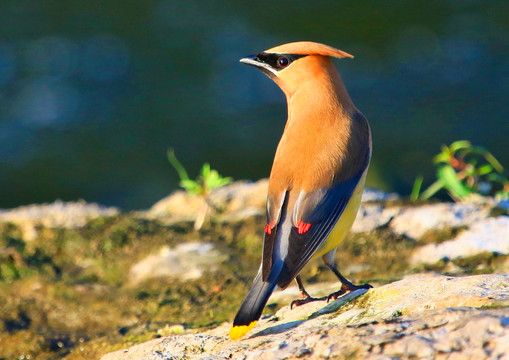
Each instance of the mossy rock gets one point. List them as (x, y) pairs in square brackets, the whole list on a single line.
[(68, 289)]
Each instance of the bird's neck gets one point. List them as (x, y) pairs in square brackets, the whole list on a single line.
[(316, 135), (322, 97)]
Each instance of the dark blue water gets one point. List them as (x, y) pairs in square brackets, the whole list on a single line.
[(93, 93)]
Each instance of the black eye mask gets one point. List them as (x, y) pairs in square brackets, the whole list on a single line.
[(277, 61)]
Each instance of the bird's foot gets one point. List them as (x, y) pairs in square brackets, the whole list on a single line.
[(306, 300), (346, 287)]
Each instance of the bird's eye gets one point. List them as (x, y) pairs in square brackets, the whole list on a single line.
[(283, 62)]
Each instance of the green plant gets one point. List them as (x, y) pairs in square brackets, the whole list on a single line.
[(208, 180), (464, 170)]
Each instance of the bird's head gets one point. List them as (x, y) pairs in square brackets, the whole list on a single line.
[(294, 63)]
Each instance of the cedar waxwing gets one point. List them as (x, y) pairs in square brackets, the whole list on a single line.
[(317, 177)]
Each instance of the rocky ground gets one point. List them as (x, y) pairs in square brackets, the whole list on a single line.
[(78, 281), (421, 316)]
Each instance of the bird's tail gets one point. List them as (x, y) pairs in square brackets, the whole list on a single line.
[(252, 307)]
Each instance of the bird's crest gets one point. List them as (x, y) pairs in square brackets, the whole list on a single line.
[(309, 48)]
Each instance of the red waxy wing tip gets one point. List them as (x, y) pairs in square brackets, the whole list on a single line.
[(302, 227)]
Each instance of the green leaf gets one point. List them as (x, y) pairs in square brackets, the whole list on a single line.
[(215, 180), (449, 179), (191, 186), (479, 150), (432, 190), (495, 177), (211, 179), (483, 170), (416, 188), (479, 172), (181, 171), (445, 149), (205, 170), (494, 162), (442, 158), (224, 181), (208, 179), (460, 144)]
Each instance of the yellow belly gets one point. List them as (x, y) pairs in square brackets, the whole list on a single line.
[(344, 223)]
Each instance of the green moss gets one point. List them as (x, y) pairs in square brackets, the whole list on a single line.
[(499, 211), (486, 262), (437, 236), (362, 301), (69, 286), (495, 306), (396, 313), (440, 266), (483, 263)]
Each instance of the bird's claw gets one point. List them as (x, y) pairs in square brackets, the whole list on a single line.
[(306, 300), (345, 288), (335, 295)]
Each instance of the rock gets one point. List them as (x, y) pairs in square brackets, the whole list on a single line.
[(55, 215), (371, 195), (238, 200), (503, 268), (421, 292), (240, 195), (186, 261), (491, 234), (373, 216), (421, 316), (414, 222), (179, 204)]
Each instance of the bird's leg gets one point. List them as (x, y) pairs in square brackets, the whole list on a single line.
[(345, 284), (301, 287), (306, 298)]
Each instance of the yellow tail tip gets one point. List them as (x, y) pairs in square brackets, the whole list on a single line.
[(236, 332)]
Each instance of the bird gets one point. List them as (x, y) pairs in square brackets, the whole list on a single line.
[(317, 176)]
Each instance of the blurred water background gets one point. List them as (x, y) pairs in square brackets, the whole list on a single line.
[(92, 93)]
